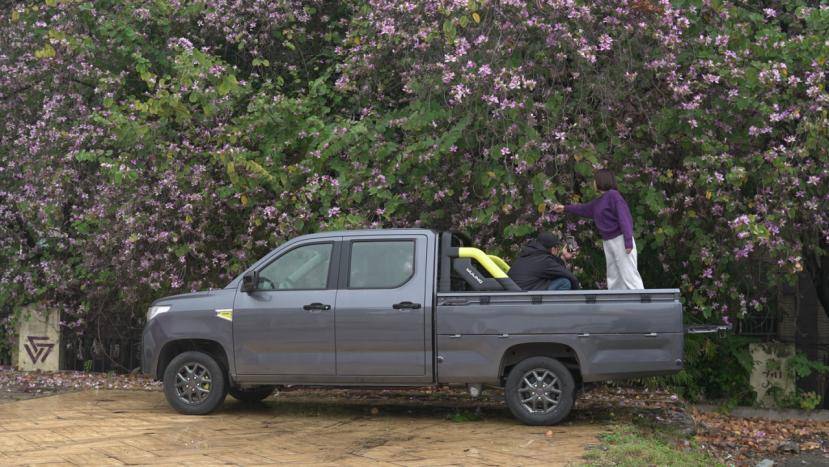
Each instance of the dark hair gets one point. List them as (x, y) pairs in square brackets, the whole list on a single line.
[(605, 180), (548, 240)]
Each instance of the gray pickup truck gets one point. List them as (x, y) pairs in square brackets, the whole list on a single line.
[(403, 308)]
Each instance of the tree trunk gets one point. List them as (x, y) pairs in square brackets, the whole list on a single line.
[(807, 338), (818, 269), (817, 266)]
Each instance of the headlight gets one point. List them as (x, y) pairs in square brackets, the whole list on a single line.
[(156, 310)]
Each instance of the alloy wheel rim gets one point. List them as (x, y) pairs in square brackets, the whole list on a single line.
[(193, 383), (539, 391)]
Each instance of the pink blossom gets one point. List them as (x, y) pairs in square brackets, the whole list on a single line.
[(181, 43), (387, 28), (605, 43), (459, 91)]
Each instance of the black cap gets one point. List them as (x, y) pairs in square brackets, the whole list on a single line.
[(549, 240)]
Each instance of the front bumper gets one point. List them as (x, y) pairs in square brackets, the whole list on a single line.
[(149, 352)]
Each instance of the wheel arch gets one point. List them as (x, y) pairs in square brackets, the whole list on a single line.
[(564, 353), (175, 347)]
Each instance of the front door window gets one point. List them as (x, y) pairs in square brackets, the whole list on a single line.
[(304, 268)]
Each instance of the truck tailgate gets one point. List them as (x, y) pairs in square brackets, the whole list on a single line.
[(563, 312)]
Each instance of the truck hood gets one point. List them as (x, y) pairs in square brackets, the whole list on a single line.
[(188, 296)]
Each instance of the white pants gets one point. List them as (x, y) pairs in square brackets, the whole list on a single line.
[(621, 266)]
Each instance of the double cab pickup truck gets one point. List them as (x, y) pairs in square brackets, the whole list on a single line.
[(408, 307)]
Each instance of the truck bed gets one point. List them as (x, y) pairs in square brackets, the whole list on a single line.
[(610, 333), (563, 312)]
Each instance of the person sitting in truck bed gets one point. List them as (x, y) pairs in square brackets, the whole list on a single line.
[(539, 266)]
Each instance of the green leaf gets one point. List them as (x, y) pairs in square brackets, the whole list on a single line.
[(227, 85), (47, 51), (449, 30), (181, 250), (518, 231)]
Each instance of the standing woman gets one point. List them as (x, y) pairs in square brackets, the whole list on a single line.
[(612, 216)]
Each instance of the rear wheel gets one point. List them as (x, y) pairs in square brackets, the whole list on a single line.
[(255, 394), (540, 391), (194, 383)]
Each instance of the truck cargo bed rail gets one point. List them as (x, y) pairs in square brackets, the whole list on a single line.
[(571, 296)]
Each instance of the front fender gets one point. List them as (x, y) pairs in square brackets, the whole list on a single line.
[(206, 319)]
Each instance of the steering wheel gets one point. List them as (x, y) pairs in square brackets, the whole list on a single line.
[(272, 286)]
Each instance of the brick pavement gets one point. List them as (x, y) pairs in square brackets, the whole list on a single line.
[(138, 428)]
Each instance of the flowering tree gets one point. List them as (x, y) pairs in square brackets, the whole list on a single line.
[(714, 115), (157, 147), (121, 173)]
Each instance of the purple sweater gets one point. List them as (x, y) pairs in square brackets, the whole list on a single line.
[(611, 214)]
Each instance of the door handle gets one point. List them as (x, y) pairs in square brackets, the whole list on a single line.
[(316, 306), (406, 305)]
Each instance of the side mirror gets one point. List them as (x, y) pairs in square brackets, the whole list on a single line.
[(250, 281)]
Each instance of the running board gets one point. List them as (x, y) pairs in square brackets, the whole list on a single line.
[(708, 329)]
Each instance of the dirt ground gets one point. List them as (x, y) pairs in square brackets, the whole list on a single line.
[(137, 427), (125, 419)]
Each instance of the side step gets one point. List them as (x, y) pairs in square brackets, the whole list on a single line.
[(709, 329)]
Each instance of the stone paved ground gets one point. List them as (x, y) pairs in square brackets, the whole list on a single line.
[(134, 427)]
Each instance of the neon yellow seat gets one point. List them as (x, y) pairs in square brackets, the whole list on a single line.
[(500, 262), (485, 261)]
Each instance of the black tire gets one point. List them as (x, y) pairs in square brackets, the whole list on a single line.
[(200, 395), (251, 395), (540, 404)]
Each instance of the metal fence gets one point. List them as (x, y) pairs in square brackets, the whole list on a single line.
[(758, 324), (90, 354)]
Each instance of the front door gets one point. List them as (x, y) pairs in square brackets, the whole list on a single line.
[(380, 318), (286, 326)]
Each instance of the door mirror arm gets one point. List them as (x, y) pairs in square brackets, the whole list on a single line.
[(250, 282)]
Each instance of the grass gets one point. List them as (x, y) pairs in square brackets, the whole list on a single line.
[(628, 446), (464, 416)]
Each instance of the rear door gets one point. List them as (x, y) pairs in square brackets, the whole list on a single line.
[(381, 306)]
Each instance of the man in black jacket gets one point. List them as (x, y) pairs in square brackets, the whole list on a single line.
[(539, 267)]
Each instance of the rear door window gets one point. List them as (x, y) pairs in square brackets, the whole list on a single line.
[(381, 264)]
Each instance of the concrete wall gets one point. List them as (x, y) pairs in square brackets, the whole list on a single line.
[(38, 340), (771, 371)]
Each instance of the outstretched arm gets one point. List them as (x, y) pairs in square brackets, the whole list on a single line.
[(583, 210)]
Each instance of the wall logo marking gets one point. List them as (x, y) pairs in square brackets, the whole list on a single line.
[(38, 348)]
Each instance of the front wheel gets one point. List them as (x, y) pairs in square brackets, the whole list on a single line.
[(539, 391), (194, 383), (251, 394)]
